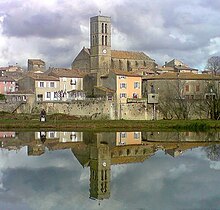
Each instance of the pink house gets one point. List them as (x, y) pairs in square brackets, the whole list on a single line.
[(7, 85)]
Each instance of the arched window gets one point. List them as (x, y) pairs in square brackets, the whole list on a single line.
[(112, 64), (102, 27), (106, 41), (120, 64), (129, 66), (106, 29), (102, 40)]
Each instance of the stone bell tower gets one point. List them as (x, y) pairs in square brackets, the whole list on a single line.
[(100, 45)]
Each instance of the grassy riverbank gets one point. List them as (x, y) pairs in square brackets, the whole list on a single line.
[(64, 122)]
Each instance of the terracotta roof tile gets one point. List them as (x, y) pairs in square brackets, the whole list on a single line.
[(125, 73), (41, 76), (64, 72), (6, 79), (182, 75), (129, 55)]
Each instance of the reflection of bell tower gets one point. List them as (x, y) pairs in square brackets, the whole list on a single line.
[(100, 171), (100, 45)]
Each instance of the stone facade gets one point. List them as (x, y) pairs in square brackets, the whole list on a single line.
[(36, 65)]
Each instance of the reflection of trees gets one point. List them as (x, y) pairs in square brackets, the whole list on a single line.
[(213, 152)]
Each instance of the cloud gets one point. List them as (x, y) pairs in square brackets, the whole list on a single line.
[(164, 30)]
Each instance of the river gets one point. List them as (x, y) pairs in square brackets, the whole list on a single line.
[(53, 170)]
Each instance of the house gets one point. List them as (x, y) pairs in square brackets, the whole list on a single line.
[(71, 82), (181, 95), (189, 85), (125, 85), (46, 88), (177, 66), (36, 65), (7, 85), (128, 138)]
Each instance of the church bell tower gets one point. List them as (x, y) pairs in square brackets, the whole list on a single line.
[(100, 46)]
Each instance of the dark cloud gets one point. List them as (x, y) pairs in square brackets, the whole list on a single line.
[(44, 24), (169, 29)]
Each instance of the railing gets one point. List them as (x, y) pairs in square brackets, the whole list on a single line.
[(136, 100)]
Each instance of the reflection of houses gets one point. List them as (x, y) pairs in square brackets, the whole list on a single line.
[(7, 134), (128, 138), (99, 153), (101, 150), (61, 136)]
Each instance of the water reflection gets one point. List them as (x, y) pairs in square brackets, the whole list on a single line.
[(99, 151)]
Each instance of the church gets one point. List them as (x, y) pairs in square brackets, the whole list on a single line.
[(100, 59)]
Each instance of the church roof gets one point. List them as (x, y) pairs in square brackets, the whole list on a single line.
[(121, 54), (130, 55)]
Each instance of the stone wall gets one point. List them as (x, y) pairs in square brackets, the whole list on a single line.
[(91, 108)]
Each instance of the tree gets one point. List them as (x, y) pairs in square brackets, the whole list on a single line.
[(173, 103), (213, 64)]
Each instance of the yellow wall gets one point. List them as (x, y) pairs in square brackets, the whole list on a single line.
[(128, 138), (129, 88)]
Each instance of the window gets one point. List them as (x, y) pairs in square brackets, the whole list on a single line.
[(73, 81), (102, 40), (187, 88), (123, 85), (123, 134), (136, 85), (52, 84), (136, 135), (48, 94), (52, 134), (102, 27), (135, 95), (40, 97), (55, 94), (106, 41), (106, 29), (41, 84), (197, 88), (123, 95)]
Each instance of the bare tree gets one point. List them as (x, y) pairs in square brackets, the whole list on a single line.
[(173, 103), (213, 64)]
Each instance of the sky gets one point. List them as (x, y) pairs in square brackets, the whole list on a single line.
[(56, 180), (56, 30)]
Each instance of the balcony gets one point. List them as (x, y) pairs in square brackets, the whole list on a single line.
[(136, 100)]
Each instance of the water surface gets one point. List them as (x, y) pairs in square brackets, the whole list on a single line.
[(121, 170)]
